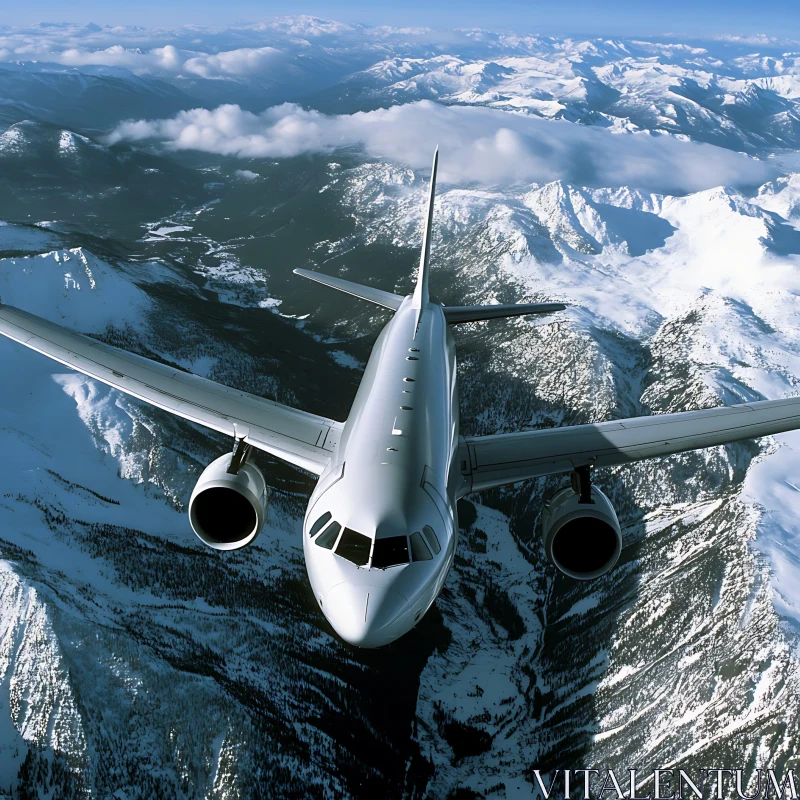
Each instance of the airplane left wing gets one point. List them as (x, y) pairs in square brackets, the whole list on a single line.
[(490, 461), (298, 437)]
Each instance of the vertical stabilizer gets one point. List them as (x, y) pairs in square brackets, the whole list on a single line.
[(421, 296)]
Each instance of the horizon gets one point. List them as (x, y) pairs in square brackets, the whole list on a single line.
[(775, 19)]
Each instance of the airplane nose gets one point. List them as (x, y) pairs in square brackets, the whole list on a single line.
[(365, 616)]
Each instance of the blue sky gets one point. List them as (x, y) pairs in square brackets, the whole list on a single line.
[(625, 17)]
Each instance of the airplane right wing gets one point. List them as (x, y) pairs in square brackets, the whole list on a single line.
[(490, 461)]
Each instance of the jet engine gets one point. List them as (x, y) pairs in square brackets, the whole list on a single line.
[(227, 510), (581, 536)]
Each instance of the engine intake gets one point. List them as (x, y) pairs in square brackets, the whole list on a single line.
[(583, 540), (227, 511)]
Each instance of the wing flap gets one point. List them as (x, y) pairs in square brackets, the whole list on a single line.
[(491, 461), (283, 431)]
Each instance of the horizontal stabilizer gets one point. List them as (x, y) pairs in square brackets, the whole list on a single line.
[(457, 314), (377, 296)]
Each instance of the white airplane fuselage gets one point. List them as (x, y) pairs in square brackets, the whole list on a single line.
[(393, 474)]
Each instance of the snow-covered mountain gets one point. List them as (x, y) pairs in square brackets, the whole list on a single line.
[(136, 663), (743, 102), (729, 91)]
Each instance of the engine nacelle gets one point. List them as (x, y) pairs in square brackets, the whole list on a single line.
[(583, 540), (228, 511)]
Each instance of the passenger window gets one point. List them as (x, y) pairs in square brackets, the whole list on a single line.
[(390, 552), (327, 538), (433, 541), (354, 547), (419, 550), (317, 526)]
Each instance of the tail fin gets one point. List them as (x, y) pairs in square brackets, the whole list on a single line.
[(421, 296)]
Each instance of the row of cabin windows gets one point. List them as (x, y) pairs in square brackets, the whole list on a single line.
[(390, 552)]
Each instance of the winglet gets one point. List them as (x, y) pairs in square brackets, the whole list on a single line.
[(421, 296)]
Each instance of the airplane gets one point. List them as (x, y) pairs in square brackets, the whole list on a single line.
[(380, 530)]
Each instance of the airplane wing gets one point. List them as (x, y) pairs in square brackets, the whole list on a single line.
[(491, 461), (302, 439)]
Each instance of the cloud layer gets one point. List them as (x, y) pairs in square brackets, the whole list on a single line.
[(168, 60), (479, 145), (243, 51)]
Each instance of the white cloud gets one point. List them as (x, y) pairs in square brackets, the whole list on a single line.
[(238, 51), (246, 174), (170, 60), (243, 61), (479, 145), (159, 59)]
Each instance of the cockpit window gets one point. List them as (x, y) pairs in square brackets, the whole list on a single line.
[(433, 540), (327, 538), (419, 550), (317, 526), (390, 552), (354, 547)]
